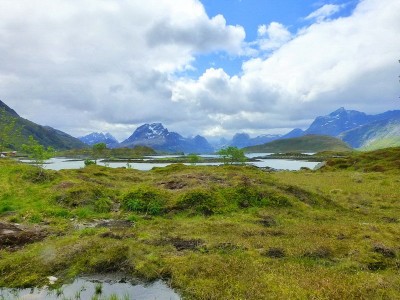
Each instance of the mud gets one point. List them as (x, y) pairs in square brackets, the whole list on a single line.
[(14, 236)]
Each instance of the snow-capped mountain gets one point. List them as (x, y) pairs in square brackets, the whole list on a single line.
[(338, 121), (158, 137), (357, 128), (96, 137)]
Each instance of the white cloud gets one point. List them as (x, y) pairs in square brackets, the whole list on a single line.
[(272, 36), (324, 12), (350, 62), (103, 61), (77, 65)]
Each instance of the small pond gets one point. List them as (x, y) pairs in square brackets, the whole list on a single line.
[(95, 287)]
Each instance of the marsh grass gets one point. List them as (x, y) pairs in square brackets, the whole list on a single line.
[(228, 232)]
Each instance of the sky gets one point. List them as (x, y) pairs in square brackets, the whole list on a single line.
[(208, 67)]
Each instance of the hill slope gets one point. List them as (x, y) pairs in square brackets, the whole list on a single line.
[(45, 135), (376, 135), (307, 143), (382, 160)]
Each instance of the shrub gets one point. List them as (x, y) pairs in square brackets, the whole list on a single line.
[(251, 196), (103, 205), (81, 195), (89, 162), (145, 200), (200, 201)]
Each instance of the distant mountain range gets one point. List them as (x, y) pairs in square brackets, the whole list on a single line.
[(307, 143), (355, 128), (45, 135), (158, 137), (242, 140), (96, 137), (358, 129)]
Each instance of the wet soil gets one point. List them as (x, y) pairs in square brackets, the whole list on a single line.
[(14, 236)]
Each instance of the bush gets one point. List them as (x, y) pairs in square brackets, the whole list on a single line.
[(89, 162), (247, 196), (251, 196), (103, 205), (200, 201), (82, 195), (145, 200)]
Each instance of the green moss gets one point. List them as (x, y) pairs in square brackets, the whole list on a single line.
[(145, 199), (229, 232)]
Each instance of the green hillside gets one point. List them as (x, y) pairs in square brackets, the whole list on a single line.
[(377, 135), (45, 135), (307, 143), (382, 160)]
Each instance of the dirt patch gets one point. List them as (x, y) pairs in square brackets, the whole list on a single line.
[(385, 251), (64, 185), (174, 184), (321, 252), (390, 220), (115, 224), (275, 252), (267, 221), (181, 244), (13, 237)]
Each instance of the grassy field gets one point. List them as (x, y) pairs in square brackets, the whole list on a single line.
[(227, 232)]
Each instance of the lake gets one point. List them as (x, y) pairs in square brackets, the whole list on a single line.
[(59, 163)]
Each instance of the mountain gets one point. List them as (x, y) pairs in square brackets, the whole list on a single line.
[(158, 137), (45, 135), (359, 129), (307, 143), (338, 121), (242, 140), (297, 132), (375, 135), (96, 137)]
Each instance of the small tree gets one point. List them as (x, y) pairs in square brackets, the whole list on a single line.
[(37, 153), (231, 155), (98, 150), (9, 130), (193, 158)]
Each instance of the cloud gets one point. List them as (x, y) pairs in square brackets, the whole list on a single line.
[(349, 61), (97, 65), (204, 34), (324, 12), (103, 61), (272, 36)]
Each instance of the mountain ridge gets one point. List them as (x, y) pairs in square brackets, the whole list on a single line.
[(352, 126), (156, 136), (45, 135), (99, 137), (306, 143)]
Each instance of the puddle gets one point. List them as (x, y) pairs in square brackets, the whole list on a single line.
[(95, 288)]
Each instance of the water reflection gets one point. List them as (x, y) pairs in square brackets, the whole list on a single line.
[(98, 287)]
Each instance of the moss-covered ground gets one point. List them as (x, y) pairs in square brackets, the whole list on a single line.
[(227, 232)]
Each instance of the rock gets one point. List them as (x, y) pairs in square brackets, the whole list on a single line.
[(52, 279)]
